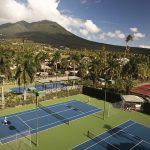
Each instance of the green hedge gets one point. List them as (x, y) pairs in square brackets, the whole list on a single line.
[(12, 100)]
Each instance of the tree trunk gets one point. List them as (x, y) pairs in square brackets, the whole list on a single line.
[(25, 95), (3, 98)]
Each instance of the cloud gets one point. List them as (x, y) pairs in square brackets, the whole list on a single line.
[(91, 27), (91, 1), (66, 11), (83, 1), (134, 29), (98, 1), (117, 34), (145, 46), (138, 35), (35, 10), (84, 32)]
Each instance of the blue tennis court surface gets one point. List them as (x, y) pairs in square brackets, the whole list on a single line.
[(39, 87), (24, 121), (127, 136)]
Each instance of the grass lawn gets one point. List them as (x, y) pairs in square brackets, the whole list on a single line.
[(65, 137)]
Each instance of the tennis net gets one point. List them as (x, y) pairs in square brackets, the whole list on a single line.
[(58, 116), (93, 137)]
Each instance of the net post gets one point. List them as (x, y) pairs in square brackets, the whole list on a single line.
[(108, 110), (30, 138), (16, 141)]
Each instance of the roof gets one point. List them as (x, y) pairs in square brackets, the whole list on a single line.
[(143, 89), (132, 98)]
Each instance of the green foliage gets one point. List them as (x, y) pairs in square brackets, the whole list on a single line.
[(13, 100)]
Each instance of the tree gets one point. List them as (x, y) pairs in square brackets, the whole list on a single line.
[(96, 69), (5, 71), (75, 59), (40, 58), (5, 63), (83, 68), (56, 59), (113, 68), (26, 71), (127, 40), (65, 62)]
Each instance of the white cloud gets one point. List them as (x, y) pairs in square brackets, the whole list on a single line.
[(117, 34), (83, 1), (91, 27), (91, 1), (84, 32), (98, 1), (35, 10), (138, 35), (134, 29), (145, 46)]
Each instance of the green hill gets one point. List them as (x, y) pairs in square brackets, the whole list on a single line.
[(49, 32)]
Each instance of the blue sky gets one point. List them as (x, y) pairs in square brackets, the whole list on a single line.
[(112, 15), (105, 21)]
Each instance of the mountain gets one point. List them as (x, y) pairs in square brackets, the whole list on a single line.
[(49, 32)]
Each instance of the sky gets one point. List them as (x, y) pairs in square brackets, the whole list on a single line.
[(104, 21)]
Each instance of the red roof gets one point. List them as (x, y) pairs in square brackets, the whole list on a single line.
[(142, 89)]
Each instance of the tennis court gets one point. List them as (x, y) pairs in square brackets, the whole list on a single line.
[(127, 136), (24, 123), (39, 87)]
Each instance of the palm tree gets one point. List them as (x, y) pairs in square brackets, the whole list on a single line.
[(26, 71), (75, 59), (65, 63), (56, 59), (83, 69), (113, 69), (127, 40), (94, 70), (5, 71), (40, 58), (5, 63)]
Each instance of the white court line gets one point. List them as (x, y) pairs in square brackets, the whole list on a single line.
[(143, 125), (14, 135), (86, 115), (137, 137), (52, 127), (136, 144), (51, 106), (67, 119), (110, 136), (111, 145), (48, 115), (32, 110), (100, 134), (23, 122)]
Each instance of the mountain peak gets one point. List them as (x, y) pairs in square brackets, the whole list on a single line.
[(49, 32)]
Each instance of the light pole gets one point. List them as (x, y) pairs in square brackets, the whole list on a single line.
[(36, 94), (105, 96), (35, 91)]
